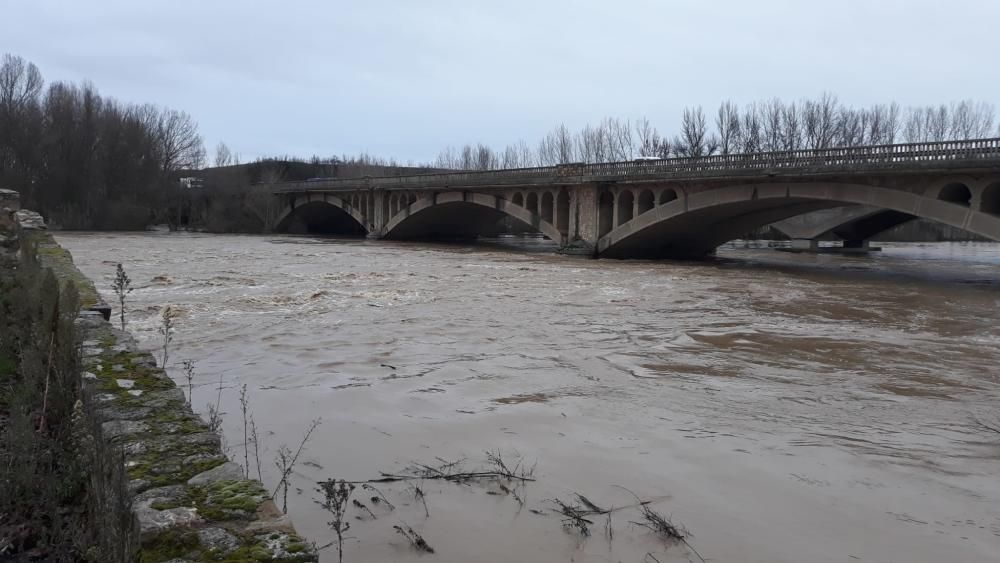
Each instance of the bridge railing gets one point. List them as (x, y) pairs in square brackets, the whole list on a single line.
[(867, 157)]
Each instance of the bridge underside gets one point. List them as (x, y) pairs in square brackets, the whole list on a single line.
[(320, 218), (695, 225), (451, 221), (700, 232), (866, 228)]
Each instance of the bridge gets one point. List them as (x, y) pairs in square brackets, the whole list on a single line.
[(678, 207)]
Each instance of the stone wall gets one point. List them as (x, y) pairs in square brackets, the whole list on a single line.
[(188, 502)]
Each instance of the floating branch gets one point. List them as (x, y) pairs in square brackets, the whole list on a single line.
[(415, 539)]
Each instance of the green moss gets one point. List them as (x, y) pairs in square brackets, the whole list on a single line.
[(295, 547), (146, 378), (148, 465), (246, 553), (173, 543), (53, 256), (228, 500)]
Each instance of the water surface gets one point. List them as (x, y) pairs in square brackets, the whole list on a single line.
[(782, 407)]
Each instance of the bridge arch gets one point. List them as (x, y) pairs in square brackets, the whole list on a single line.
[(990, 199), (531, 202), (956, 192), (696, 224), (605, 213), (626, 201), (562, 210), (438, 215), (849, 223), (548, 207), (321, 214), (646, 201), (667, 195)]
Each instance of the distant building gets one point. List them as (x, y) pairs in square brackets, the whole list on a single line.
[(191, 182)]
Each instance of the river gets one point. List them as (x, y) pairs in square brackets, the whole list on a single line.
[(781, 407)]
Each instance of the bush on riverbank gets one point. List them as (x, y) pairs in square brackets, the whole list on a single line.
[(44, 433)]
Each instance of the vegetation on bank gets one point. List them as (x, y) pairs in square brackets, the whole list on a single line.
[(46, 508)]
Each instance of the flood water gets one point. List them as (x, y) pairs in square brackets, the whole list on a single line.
[(781, 407)]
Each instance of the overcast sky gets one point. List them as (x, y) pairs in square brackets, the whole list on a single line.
[(405, 78)]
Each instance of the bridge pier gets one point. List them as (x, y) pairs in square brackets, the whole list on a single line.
[(804, 245)]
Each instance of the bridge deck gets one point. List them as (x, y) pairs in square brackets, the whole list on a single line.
[(916, 157)]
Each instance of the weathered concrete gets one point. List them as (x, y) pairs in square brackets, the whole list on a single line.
[(676, 207)]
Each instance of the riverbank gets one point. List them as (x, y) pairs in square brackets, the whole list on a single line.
[(151, 482)]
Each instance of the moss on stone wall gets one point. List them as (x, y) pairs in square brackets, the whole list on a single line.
[(51, 255)]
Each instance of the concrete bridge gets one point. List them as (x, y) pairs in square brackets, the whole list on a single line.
[(681, 207)]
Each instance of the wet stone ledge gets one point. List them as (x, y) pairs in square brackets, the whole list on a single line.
[(190, 504)]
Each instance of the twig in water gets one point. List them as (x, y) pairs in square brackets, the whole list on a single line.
[(244, 405), (501, 467), (256, 446), (574, 517), (416, 540), (380, 498), (452, 471), (360, 505), (418, 494), (662, 526), (286, 461), (593, 508)]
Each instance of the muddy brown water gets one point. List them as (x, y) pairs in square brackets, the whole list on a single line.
[(783, 408)]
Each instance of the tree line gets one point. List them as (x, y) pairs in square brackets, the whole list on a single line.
[(89, 161), (770, 125)]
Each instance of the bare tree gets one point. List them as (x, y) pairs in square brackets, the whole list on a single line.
[(510, 158), (937, 125), (694, 134), (447, 158), (20, 83), (913, 126), (223, 155), (850, 128), (526, 156), (882, 124), (178, 140), (791, 128), (727, 127), (564, 144), (820, 121), (971, 120), (771, 113), (750, 130), (556, 147), (621, 141)]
